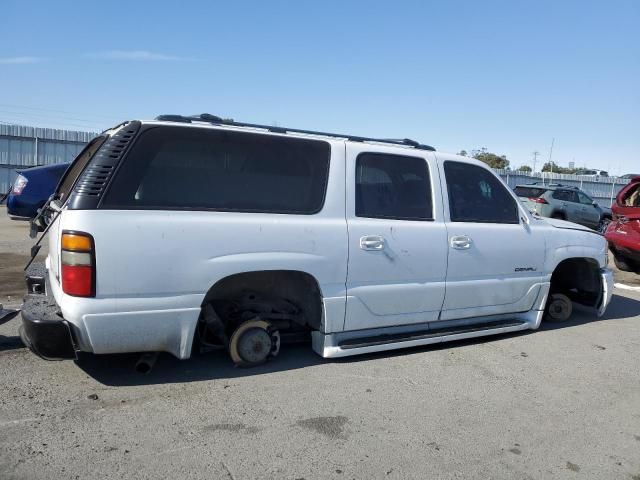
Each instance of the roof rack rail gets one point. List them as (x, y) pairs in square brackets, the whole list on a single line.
[(215, 120)]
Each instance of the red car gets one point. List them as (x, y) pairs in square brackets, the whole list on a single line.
[(623, 233)]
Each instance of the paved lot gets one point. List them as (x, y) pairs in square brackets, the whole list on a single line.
[(563, 402)]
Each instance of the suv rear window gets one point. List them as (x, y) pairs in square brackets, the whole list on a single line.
[(529, 192), (202, 169)]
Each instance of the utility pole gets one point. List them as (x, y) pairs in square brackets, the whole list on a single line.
[(553, 140), (535, 160)]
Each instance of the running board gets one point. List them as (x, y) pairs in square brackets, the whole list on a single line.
[(329, 345)]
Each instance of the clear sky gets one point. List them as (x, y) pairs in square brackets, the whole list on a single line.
[(508, 75)]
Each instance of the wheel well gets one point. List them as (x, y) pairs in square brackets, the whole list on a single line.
[(579, 279), (559, 214), (288, 297)]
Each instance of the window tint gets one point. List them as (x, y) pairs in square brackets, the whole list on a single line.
[(584, 199), (529, 192), (393, 186), (476, 195), (77, 166), (566, 196), (174, 167)]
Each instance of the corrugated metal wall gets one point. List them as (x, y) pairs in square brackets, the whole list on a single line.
[(18, 150), (22, 146), (603, 190)]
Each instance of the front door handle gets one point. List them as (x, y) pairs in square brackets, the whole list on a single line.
[(372, 242), (461, 242)]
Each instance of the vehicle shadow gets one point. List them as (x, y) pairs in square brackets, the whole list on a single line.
[(620, 307), (119, 370)]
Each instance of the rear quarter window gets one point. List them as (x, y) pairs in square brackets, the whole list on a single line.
[(203, 169), (72, 173)]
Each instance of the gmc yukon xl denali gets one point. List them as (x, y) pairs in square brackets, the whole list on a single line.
[(184, 234)]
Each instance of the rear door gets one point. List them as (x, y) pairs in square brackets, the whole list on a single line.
[(397, 237), (530, 196), (495, 260), (63, 189)]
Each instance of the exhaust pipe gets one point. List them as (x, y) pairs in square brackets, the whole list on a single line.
[(146, 362)]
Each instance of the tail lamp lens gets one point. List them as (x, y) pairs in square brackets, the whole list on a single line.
[(538, 200), (19, 184), (77, 261)]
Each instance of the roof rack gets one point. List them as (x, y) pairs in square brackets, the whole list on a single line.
[(570, 187), (215, 120)]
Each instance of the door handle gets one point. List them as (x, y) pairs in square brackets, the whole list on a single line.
[(372, 242), (461, 242)]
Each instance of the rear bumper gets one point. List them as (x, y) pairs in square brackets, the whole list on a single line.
[(44, 331)]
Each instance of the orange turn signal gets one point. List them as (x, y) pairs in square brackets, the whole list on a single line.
[(76, 243)]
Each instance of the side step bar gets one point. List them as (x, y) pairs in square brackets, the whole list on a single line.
[(331, 346)]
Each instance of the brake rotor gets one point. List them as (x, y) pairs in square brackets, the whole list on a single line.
[(253, 342), (559, 308)]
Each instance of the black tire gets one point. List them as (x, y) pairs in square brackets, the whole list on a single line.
[(559, 308), (624, 264), (558, 216)]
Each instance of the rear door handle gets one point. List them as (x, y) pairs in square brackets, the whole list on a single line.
[(372, 242), (461, 242)]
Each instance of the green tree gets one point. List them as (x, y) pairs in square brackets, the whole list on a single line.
[(555, 168), (463, 153), (491, 159), (525, 168)]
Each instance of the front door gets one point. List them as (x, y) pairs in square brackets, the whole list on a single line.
[(397, 238), (495, 259), (590, 213)]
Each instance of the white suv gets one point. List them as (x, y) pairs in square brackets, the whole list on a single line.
[(188, 233)]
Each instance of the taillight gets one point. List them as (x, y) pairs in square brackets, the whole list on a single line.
[(19, 184), (78, 264), (538, 200)]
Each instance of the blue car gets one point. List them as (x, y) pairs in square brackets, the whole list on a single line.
[(32, 189)]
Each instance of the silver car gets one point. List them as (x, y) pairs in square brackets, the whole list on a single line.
[(564, 202)]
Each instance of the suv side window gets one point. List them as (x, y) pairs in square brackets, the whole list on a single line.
[(584, 199), (202, 169), (393, 186), (475, 195), (566, 196)]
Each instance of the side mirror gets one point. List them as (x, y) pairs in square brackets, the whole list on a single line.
[(595, 204)]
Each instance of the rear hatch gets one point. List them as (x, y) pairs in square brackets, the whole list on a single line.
[(63, 189), (530, 196)]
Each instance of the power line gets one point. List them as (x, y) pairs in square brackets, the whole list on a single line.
[(25, 107), (51, 116), (50, 124)]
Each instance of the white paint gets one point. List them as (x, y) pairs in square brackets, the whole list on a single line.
[(155, 267)]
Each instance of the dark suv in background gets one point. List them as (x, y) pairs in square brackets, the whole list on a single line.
[(567, 203)]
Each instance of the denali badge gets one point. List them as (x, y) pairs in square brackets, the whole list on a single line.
[(526, 269)]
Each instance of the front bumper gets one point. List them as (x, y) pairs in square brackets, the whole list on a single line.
[(44, 331), (606, 280)]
